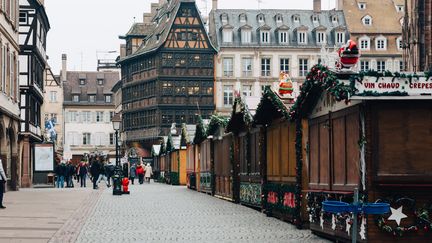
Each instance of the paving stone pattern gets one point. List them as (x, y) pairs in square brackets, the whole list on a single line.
[(163, 213)]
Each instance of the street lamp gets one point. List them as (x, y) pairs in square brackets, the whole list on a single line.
[(116, 122)]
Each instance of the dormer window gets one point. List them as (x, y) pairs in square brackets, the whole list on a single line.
[(92, 98), (278, 18), (100, 81), (246, 36), (362, 6), (315, 19), (364, 43), (224, 19), (340, 38), (381, 43), (302, 37), (227, 35), (283, 37), (243, 18), (399, 43), (75, 98), (261, 18), (82, 81), (334, 19), (265, 36), (399, 8), (367, 20), (321, 37), (296, 18)]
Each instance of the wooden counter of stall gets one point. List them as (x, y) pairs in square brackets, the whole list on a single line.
[(222, 151), (177, 160), (284, 177), (247, 154), (373, 133), (188, 135)]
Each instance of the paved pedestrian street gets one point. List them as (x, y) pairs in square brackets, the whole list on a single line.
[(151, 213), (161, 213)]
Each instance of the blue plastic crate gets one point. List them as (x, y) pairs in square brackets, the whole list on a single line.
[(335, 206), (376, 208)]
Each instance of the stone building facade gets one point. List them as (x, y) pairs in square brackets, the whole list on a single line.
[(9, 92)]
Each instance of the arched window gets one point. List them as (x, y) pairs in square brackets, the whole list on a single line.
[(381, 43), (364, 42), (261, 18), (367, 20), (279, 18)]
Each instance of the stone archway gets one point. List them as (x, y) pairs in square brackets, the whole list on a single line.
[(12, 154)]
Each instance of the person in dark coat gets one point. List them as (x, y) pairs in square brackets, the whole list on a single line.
[(70, 174), (109, 169), (132, 173), (103, 175), (61, 173), (95, 171), (82, 173)]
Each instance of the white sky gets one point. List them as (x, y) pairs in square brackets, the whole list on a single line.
[(85, 29)]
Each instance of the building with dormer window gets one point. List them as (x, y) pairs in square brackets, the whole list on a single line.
[(265, 42), (376, 27)]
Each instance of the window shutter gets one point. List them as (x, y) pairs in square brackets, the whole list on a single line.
[(93, 138), (106, 116)]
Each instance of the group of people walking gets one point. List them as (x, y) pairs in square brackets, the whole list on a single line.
[(142, 172), (98, 170)]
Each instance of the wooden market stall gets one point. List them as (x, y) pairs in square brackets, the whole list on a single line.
[(284, 177), (371, 131), (226, 182), (206, 181), (177, 163), (187, 138), (155, 152), (247, 154)]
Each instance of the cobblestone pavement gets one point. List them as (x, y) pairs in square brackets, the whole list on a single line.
[(162, 213), (38, 215)]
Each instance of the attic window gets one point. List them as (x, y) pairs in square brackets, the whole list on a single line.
[(296, 19), (243, 18), (399, 8), (367, 20), (315, 18), (157, 36), (224, 18), (100, 81), (334, 19), (362, 6), (260, 18), (168, 15), (82, 81), (279, 19)]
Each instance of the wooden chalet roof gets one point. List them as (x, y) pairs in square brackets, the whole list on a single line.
[(161, 26), (241, 117), (272, 106)]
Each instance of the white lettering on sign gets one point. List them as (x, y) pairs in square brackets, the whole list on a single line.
[(417, 86)]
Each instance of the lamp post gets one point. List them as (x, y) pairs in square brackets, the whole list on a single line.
[(116, 121)]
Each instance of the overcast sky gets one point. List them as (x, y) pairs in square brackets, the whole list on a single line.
[(87, 29)]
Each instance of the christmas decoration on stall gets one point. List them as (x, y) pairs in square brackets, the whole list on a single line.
[(422, 219), (184, 138), (170, 145), (216, 122), (200, 134), (270, 98), (240, 114), (349, 55), (285, 84)]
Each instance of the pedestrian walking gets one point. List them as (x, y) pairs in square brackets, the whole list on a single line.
[(102, 175), (95, 170), (3, 180), (82, 173), (132, 173), (140, 173), (109, 168), (148, 172), (61, 173), (70, 174)]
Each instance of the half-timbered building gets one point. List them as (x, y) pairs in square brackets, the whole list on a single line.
[(169, 78), (9, 95), (34, 26)]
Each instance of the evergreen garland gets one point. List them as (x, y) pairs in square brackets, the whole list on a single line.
[(200, 133), (184, 138), (216, 121), (245, 114), (169, 144)]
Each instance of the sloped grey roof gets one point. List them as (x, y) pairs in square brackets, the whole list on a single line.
[(305, 21), (140, 29), (161, 26)]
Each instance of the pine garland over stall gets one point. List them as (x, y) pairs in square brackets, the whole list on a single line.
[(200, 134)]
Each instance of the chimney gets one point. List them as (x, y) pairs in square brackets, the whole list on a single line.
[(147, 18), (339, 4), (317, 6), (64, 68), (154, 8), (214, 4)]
